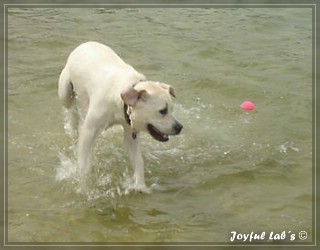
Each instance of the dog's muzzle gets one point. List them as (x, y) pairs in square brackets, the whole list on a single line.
[(177, 128), (159, 136)]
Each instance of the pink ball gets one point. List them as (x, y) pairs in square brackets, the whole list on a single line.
[(247, 105)]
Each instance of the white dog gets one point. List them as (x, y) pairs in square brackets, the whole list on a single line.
[(113, 92)]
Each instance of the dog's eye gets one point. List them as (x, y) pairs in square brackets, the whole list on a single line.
[(164, 111)]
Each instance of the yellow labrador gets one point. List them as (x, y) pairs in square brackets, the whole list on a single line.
[(114, 93)]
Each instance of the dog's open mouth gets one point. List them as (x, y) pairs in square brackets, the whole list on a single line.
[(156, 134)]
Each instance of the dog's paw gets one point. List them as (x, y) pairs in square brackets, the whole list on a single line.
[(140, 188), (143, 190)]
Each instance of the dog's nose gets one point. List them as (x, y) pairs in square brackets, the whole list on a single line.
[(178, 127)]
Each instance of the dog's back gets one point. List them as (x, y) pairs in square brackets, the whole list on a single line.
[(93, 63)]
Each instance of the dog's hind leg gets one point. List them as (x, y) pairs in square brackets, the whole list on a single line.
[(67, 96), (88, 132)]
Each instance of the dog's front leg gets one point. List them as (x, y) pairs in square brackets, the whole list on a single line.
[(133, 145)]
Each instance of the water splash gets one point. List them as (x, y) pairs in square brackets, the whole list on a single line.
[(67, 169), (289, 145), (103, 183), (67, 123)]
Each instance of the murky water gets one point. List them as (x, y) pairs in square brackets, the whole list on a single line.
[(229, 170)]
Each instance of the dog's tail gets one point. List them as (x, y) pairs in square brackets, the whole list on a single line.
[(66, 92)]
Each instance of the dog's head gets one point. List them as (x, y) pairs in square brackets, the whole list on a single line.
[(150, 109)]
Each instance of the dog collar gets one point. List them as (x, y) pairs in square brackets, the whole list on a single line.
[(128, 120), (125, 113)]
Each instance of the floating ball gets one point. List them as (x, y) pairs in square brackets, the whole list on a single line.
[(247, 105)]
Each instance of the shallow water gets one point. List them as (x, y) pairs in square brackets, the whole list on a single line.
[(229, 170)]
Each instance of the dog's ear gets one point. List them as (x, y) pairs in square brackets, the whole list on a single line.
[(169, 88), (131, 96)]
